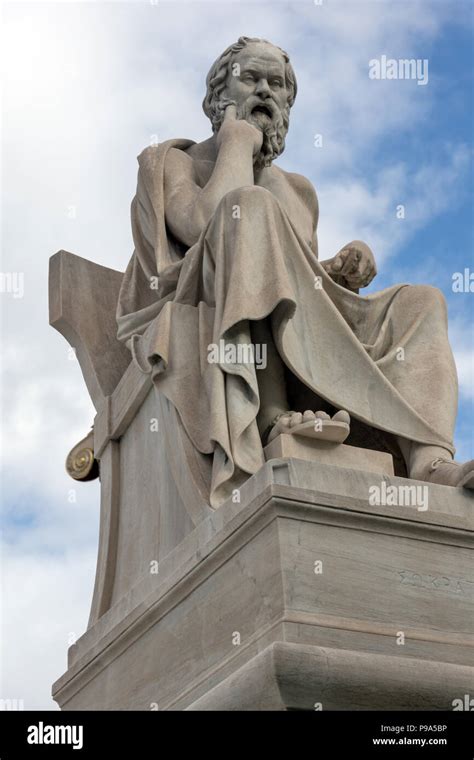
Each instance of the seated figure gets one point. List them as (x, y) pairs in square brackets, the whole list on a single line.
[(226, 258)]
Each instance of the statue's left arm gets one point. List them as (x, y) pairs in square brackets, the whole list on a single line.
[(353, 267)]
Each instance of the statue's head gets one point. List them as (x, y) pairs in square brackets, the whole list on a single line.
[(257, 77)]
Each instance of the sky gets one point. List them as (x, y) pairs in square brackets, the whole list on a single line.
[(88, 85)]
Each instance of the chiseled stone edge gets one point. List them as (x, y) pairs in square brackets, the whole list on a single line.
[(297, 677), (265, 496)]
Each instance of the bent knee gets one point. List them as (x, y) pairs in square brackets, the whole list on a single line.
[(424, 297), (251, 196)]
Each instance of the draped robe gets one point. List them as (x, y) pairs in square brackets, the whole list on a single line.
[(384, 357)]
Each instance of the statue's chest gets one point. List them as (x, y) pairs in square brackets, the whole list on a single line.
[(277, 184), (299, 214)]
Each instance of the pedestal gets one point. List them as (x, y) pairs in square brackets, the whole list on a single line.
[(302, 593)]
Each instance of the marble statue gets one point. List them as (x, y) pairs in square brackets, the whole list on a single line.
[(258, 420), (226, 256)]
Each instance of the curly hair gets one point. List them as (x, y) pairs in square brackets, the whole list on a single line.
[(213, 104)]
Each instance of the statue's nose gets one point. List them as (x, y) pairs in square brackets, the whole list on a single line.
[(262, 88)]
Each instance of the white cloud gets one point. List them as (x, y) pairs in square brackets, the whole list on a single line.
[(461, 333), (367, 210), (46, 602)]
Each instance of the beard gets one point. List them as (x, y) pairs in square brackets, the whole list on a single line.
[(269, 118), (273, 121)]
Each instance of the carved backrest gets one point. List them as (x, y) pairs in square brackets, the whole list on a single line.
[(153, 485), (82, 304)]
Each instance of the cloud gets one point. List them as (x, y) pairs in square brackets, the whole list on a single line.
[(461, 333), (370, 208), (46, 601)]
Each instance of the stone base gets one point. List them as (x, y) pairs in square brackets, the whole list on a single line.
[(302, 593), (338, 454), (300, 677)]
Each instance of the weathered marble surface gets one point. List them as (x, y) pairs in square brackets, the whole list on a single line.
[(331, 637), (352, 457)]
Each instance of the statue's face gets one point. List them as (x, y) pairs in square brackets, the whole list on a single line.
[(257, 84)]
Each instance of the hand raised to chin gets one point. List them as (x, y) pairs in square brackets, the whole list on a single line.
[(234, 130)]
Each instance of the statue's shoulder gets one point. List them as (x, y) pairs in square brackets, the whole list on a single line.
[(171, 150), (163, 162), (302, 186), (190, 161), (297, 180)]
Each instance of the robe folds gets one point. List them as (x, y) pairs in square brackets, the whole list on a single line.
[(384, 357)]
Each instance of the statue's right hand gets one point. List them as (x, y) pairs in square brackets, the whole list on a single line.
[(234, 130)]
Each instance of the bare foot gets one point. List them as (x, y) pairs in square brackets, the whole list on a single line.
[(313, 425), (447, 472)]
